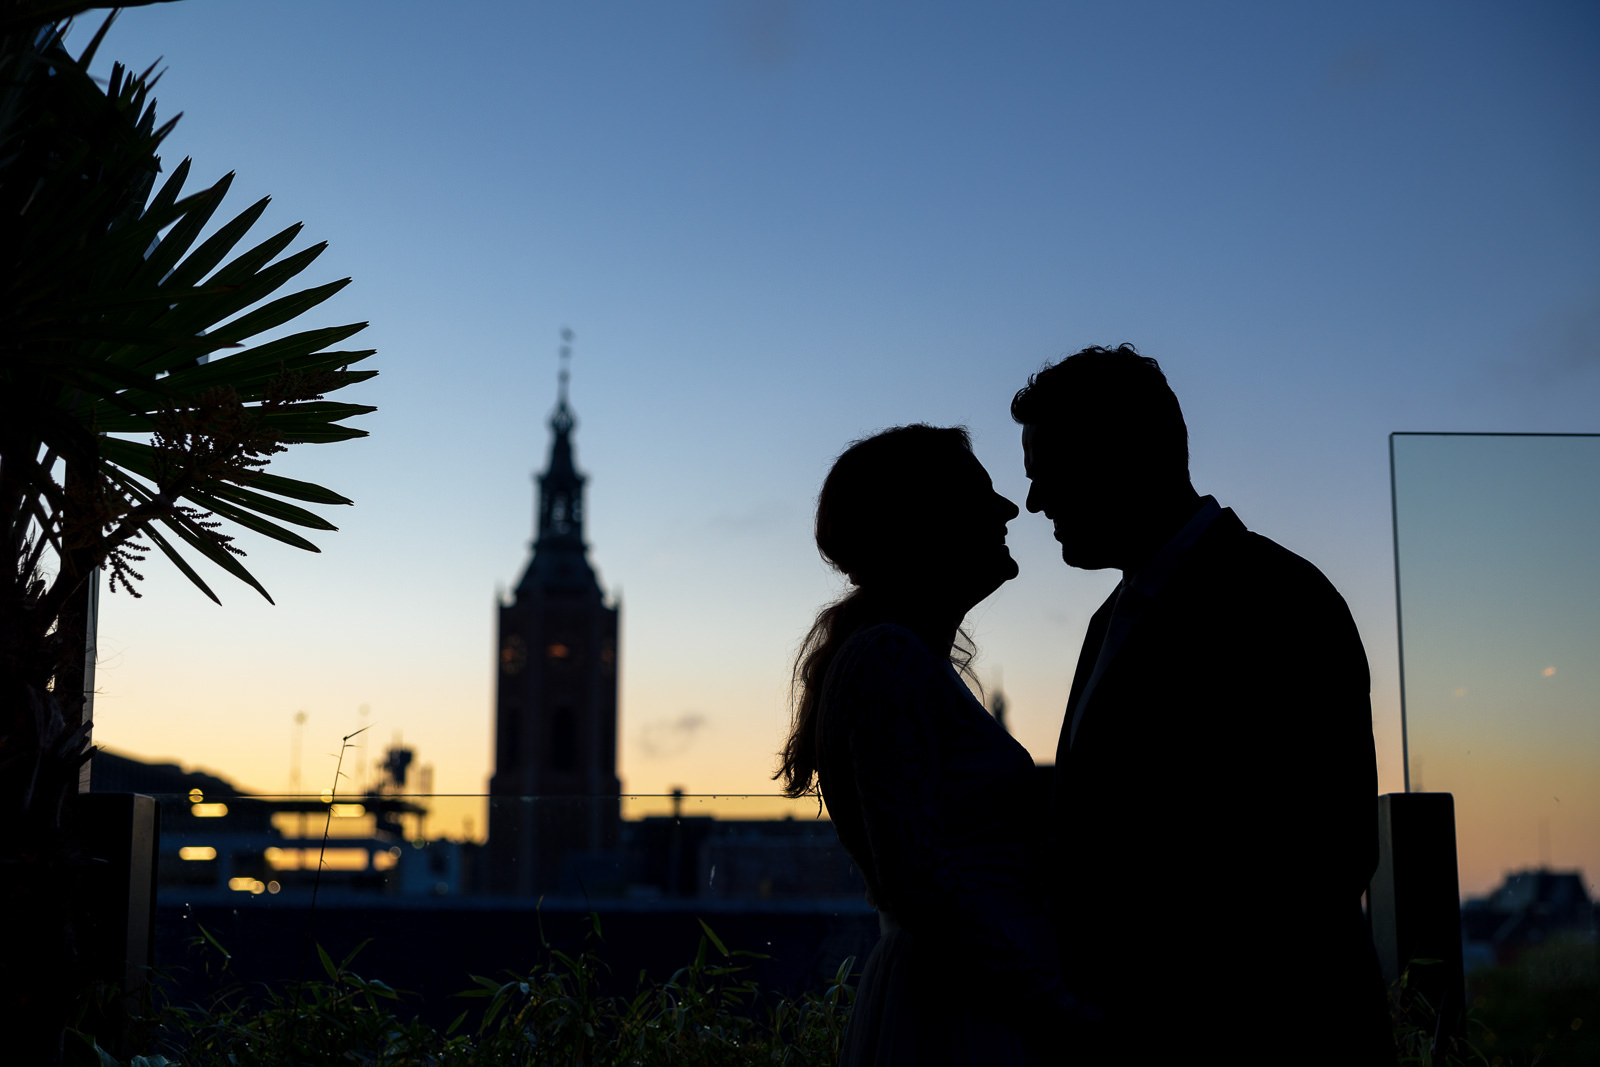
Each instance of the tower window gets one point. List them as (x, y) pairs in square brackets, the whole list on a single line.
[(510, 738), (563, 740), (558, 651), (513, 654)]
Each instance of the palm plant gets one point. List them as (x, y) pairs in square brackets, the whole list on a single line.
[(145, 384)]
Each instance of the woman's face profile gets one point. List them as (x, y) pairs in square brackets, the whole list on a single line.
[(959, 540)]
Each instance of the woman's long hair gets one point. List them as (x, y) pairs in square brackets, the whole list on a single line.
[(875, 493)]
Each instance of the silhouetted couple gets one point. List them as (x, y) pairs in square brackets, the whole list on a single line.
[(1190, 889)]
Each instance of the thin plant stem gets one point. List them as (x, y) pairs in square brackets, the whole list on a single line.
[(316, 883)]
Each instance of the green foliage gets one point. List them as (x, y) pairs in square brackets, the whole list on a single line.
[(707, 1014), (118, 322), (1541, 1010), (151, 366)]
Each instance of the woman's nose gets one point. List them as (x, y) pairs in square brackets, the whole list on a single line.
[(1007, 507)]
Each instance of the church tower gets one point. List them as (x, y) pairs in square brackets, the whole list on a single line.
[(554, 797)]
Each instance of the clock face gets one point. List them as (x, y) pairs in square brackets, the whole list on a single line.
[(513, 654)]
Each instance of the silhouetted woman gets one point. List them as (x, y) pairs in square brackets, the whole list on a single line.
[(929, 795)]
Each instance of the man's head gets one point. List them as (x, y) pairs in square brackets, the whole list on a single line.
[(1107, 454)]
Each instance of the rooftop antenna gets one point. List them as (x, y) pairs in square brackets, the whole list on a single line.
[(997, 703), (361, 751), (296, 736), (567, 337)]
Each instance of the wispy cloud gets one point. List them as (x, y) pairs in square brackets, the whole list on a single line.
[(1364, 61), (764, 33), (1562, 347), (671, 737)]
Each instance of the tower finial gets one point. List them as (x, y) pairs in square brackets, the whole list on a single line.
[(567, 337)]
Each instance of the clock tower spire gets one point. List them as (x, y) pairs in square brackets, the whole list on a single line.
[(559, 553), (554, 804)]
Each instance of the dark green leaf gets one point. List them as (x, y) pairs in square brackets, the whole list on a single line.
[(197, 211), (197, 538), (278, 485), (179, 562), (271, 507), (214, 248), (715, 940), (278, 311), (251, 522)]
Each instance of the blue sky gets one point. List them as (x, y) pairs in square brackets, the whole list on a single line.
[(778, 226)]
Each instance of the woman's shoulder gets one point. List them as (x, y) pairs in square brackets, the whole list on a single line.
[(888, 641), (884, 656)]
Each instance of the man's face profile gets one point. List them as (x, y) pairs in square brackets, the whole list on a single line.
[(1069, 485)]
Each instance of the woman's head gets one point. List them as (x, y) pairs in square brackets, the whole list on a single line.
[(912, 508), (910, 517)]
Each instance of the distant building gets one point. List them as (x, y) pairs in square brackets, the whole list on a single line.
[(554, 796), (216, 838), (1528, 908), (776, 859)]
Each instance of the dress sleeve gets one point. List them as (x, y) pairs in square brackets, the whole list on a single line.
[(899, 700)]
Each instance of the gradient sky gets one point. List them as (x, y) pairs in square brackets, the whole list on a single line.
[(776, 227)]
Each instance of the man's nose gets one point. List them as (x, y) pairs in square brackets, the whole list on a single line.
[(1035, 504)]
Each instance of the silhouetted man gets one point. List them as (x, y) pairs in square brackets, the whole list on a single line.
[(1215, 788)]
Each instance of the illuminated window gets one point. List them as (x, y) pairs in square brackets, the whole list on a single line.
[(209, 811), (558, 651), (513, 654), (197, 852), (347, 811), (339, 859)]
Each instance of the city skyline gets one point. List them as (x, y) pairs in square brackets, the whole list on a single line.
[(778, 227)]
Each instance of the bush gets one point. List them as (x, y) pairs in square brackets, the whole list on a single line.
[(708, 1013), (1543, 1009)]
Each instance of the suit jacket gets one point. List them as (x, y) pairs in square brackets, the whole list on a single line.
[(1215, 819)]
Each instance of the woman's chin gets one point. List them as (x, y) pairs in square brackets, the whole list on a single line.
[(1002, 573)]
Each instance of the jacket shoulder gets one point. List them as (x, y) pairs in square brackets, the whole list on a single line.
[(1244, 556)]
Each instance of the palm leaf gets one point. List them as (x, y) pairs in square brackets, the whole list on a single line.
[(251, 521), (182, 564), (114, 293), (266, 505)]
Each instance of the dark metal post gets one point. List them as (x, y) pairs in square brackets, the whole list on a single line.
[(1399, 619), (1415, 900), (120, 834)]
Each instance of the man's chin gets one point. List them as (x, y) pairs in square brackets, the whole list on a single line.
[(1079, 559)]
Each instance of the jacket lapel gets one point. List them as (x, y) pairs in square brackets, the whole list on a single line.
[(1080, 677), (1175, 604)]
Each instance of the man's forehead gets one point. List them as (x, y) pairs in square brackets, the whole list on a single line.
[(1037, 436), (1044, 442)]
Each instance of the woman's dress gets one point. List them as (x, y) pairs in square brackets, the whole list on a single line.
[(934, 802)]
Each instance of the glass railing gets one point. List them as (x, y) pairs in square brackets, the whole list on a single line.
[(1498, 581), (435, 888), (406, 845)]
